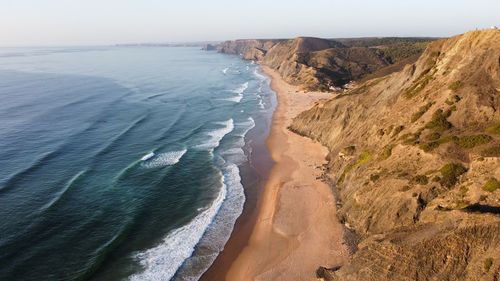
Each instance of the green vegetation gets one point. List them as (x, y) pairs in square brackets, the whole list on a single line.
[(394, 49), (364, 157), (436, 179), (473, 141), (386, 152), (435, 144), (487, 264), (493, 151), (421, 111), (450, 173), (418, 85), (495, 129), (430, 146), (433, 136), (421, 179), (411, 138), (454, 99), (374, 177), (491, 185), (398, 52), (439, 122), (405, 188), (455, 85)]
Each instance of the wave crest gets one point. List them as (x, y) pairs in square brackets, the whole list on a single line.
[(163, 159)]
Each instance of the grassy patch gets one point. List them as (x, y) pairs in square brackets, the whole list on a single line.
[(411, 138), (386, 152), (450, 173), (435, 144), (487, 264), (491, 185), (429, 146), (455, 85), (439, 122), (405, 188), (418, 85), (473, 141), (421, 179), (433, 136), (453, 99), (493, 151), (495, 129), (374, 177), (363, 158), (421, 111)]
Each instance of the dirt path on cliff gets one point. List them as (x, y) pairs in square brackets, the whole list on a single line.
[(296, 229)]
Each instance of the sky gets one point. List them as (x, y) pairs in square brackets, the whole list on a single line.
[(102, 22)]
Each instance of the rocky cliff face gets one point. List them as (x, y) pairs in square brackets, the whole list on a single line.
[(415, 160), (313, 63)]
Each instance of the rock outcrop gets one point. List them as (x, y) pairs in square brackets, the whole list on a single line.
[(415, 160)]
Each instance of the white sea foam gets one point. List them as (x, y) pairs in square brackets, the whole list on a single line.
[(241, 89), (225, 70), (163, 159), (217, 135), (147, 156), (163, 261), (236, 99), (246, 126), (258, 75), (261, 104), (218, 232)]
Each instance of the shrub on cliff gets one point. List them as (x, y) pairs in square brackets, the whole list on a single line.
[(493, 151), (455, 85), (491, 185), (473, 141), (421, 179), (450, 173), (439, 121), (421, 111), (495, 129)]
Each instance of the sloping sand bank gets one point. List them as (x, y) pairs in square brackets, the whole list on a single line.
[(296, 229)]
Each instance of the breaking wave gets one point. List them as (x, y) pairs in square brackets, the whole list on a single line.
[(163, 159), (241, 89), (163, 261), (217, 135)]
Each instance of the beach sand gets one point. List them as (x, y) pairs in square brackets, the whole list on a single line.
[(296, 229)]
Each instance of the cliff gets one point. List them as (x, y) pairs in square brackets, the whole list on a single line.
[(415, 162), (320, 64)]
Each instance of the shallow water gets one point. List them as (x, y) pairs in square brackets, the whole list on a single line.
[(121, 162)]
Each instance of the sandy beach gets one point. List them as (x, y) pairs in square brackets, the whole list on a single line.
[(296, 228)]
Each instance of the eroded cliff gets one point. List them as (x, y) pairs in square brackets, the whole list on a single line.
[(319, 64), (415, 161)]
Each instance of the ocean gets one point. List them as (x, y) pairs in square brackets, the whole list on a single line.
[(123, 163)]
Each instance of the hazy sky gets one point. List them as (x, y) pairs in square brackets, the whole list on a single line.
[(88, 22)]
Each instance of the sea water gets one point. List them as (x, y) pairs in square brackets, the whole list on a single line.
[(122, 163)]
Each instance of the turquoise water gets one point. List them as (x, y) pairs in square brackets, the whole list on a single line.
[(122, 163)]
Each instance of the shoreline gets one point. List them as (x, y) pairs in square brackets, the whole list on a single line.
[(296, 211), (254, 175)]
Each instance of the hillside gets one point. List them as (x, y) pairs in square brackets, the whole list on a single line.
[(324, 64), (415, 162)]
